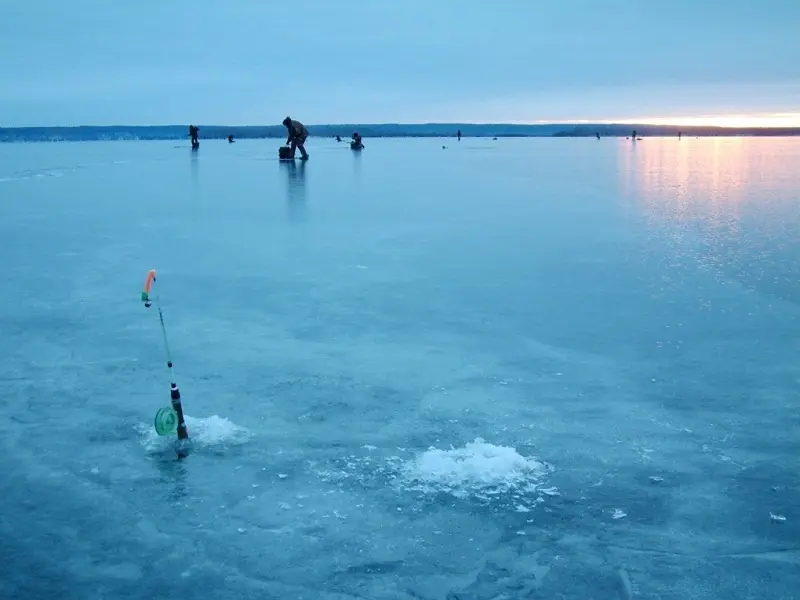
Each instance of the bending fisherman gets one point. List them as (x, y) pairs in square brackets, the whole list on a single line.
[(297, 136)]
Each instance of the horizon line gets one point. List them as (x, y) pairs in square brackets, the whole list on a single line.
[(666, 122)]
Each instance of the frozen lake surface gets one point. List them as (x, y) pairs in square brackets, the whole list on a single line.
[(513, 369)]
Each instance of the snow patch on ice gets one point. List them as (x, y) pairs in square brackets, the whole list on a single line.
[(208, 431), (216, 430), (777, 518), (479, 469)]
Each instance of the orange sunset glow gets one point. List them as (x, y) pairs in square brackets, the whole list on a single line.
[(774, 120), (791, 119)]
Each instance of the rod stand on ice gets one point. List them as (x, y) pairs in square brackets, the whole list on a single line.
[(175, 396), (183, 433)]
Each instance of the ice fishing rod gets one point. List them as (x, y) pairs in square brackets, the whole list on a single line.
[(168, 420)]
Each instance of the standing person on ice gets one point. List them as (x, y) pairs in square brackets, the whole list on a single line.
[(297, 136)]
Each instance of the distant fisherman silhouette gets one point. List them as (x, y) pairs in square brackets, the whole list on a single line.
[(193, 133), (297, 136)]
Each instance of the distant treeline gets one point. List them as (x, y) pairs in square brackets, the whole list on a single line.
[(176, 132)]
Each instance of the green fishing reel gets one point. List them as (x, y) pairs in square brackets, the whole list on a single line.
[(166, 421)]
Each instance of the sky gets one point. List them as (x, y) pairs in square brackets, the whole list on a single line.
[(101, 62)]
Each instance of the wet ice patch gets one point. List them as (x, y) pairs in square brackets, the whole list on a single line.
[(478, 470), (208, 431)]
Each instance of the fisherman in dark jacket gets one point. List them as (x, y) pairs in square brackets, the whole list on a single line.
[(193, 133), (297, 136)]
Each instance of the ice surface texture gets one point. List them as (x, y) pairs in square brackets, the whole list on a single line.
[(541, 368)]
